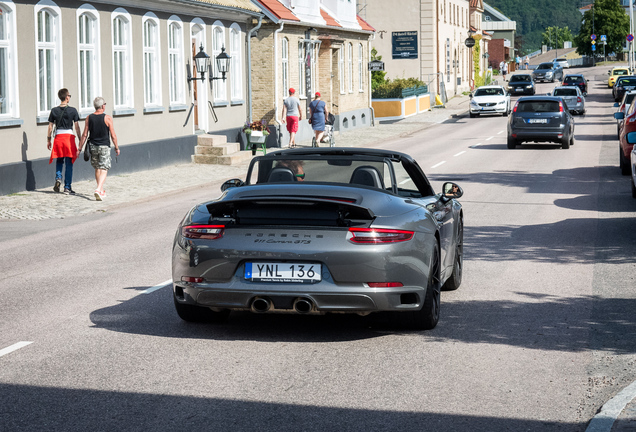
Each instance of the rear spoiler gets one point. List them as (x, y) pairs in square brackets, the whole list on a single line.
[(298, 211)]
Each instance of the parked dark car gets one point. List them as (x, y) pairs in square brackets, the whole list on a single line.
[(540, 119), (521, 84), (625, 147), (623, 84), (548, 72), (576, 80)]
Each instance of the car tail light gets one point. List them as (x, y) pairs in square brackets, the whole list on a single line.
[(560, 107), (515, 108), (378, 235), (208, 232), (385, 284), (191, 279), (578, 99)]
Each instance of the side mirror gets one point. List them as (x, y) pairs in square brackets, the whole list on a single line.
[(232, 184), (631, 138), (452, 190), (548, 94), (470, 96), (616, 105), (619, 116)]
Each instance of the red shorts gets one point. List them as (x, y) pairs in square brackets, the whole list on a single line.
[(292, 124)]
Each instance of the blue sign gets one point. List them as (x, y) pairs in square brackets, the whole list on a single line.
[(603, 38), (630, 38), (593, 47), (593, 37), (404, 44)]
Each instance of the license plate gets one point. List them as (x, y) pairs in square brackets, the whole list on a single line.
[(519, 89), (537, 120), (283, 272)]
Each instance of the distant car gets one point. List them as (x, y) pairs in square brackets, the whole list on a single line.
[(322, 230), (622, 85), (563, 62), (614, 74), (521, 84), (576, 80), (492, 99), (548, 72), (623, 106), (624, 146), (540, 119), (572, 96), (634, 172)]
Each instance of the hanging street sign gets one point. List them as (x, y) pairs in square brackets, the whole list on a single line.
[(630, 38), (603, 38), (470, 42), (376, 65)]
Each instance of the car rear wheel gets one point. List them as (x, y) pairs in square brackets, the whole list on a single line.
[(623, 162), (427, 317), (455, 279), (512, 143), (200, 314), (565, 143)]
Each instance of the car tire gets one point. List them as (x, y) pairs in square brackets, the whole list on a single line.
[(200, 314), (623, 163), (512, 143), (455, 279), (571, 140), (427, 317), (565, 143), (473, 115)]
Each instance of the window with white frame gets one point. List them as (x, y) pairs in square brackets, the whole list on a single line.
[(48, 49), (88, 56), (350, 66), (176, 79), (360, 70), (122, 63), (218, 41), (152, 78), (285, 65), (341, 71), (8, 62), (301, 69), (314, 68), (236, 69)]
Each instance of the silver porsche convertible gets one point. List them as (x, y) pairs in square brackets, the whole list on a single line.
[(319, 230)]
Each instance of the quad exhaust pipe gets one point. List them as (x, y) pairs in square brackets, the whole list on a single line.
[(303, 305), (261, 305)]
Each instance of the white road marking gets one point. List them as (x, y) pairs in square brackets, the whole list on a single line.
[(476, 145), (14, 347), (405, 181), (489, 138), (436, 165), (460, 153), (603, 421), (157, 287), (500, 132)]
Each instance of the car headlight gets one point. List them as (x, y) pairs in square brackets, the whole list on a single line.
[(473, 103), (548, 73), (501, 103), (529, 86)]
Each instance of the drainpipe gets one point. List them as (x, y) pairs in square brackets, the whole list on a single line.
[(371, 39), (276, 32), (250, 35)]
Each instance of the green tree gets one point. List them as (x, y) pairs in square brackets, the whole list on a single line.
[(377, 77), (609, 18), (555, 36)]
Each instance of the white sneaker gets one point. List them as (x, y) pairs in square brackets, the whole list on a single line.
[(99, 196)]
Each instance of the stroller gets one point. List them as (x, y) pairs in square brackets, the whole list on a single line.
[(328, 136)]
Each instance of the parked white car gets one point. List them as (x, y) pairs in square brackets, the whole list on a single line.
[(563, 62), (493, 99)]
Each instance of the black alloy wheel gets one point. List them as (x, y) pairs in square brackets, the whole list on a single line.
[(428, 316)]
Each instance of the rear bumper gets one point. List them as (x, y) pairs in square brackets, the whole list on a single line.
[(539, 136), (324, 297)]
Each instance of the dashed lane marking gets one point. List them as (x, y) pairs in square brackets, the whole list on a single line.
[(476, 145), (157, 287), (14, 347), (489, 138), (460, 153), (436, 165), (500, 132)]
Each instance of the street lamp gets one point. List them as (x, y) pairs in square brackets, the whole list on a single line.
[(222, 64), (202, 61)]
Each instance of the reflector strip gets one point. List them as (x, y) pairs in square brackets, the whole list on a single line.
[(385, 284)]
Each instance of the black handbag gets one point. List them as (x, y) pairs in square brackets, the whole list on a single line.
[(87, 151)]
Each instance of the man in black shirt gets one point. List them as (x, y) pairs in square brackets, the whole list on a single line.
[(64, 150)]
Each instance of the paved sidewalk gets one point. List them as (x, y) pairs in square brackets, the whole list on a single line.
[(143, 185)]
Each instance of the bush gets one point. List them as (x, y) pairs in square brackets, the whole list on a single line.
[(393, 88)]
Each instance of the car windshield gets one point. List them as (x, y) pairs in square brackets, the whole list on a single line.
[(573, 79), (565, 91), (489, 92), (629, 97), (518, 78), (621, 72), (627, 81), (538, 106), (545, 66), (369, 171)]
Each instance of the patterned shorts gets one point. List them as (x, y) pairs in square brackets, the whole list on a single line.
[(100, 157)]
